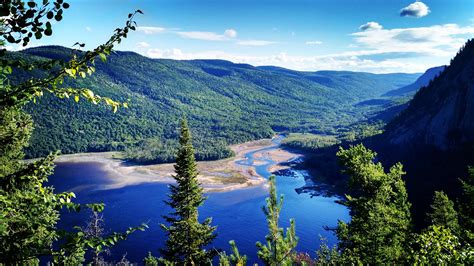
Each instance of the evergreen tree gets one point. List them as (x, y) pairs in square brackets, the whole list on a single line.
[(443, 213), (233, 259), (279, 248), (466, 207), (187, 237), (380, 225)]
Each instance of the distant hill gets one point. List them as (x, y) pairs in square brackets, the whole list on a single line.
[(422, 81), (225, 103)]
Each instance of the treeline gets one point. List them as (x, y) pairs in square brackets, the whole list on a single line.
[(308, 141), (150, 151)]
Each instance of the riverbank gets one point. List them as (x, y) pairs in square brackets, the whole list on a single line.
[(215, 176)]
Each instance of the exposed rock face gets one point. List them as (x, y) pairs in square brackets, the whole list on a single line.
[(441, 114)]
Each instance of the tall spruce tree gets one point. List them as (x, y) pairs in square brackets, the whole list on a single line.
[(187, 237), (280, 247), (443, 213), (380, 226)]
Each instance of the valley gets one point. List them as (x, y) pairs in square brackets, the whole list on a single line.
[(236, 133)]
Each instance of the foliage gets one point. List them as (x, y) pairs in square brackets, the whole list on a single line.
[(438, 245), (23, 195), (360, 131), (380, 225), (29, 208), (22, 20), (249, 103), (279, 247), (443, 213), (308, 141), (153, 150), (326, 255), (187, 237), (150, 260), (466, 207), (233, 259)]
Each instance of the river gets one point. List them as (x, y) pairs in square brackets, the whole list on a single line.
[(237, 214)]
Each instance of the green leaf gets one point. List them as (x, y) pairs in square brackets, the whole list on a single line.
[(76, 98), (38, 35), (103, 57)]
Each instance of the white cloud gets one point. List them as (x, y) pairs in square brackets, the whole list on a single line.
[(89, 29), (305, 63), (255, 43), (230, 33), (378, 51), (207, 35), (372, 25), (417, 9), (201, 35), (438, 40), (313, 42), (150, 30), (143, 45)]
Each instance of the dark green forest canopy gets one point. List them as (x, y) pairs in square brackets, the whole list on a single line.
[(225, 103)]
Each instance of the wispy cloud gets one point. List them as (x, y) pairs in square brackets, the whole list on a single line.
[(150, 30), (313, 42), (255, 43), (88, 29), (143, 45), (417, 9), (207, 35), (372, 25)]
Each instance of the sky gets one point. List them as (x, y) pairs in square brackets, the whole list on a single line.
[(379, 36)]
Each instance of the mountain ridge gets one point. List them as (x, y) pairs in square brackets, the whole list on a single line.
[(225, 103)]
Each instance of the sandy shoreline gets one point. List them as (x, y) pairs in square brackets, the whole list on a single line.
[(215, 176)]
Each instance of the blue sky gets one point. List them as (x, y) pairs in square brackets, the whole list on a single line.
[(360, 35)]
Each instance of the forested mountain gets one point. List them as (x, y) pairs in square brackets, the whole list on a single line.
[(434, 136), (422, 81), (224, 102), (442, 114)]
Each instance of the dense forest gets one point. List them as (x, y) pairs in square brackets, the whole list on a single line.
[(226, 103)]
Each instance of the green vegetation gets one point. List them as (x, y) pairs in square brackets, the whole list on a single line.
[(308, 141), (380, 231), (30, 210), (187, 237), (443, 213), (380, 212), (279, 247), (226, 103)]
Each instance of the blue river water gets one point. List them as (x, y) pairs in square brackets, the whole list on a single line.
[(237, 214)]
